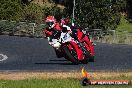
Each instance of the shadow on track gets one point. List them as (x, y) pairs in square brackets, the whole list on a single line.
[(58, 62)]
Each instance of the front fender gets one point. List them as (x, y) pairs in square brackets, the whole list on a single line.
[(83, 38)]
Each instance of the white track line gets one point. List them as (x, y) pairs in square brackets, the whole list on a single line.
[(3, 57)]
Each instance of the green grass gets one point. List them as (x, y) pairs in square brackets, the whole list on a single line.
[(123, 33), (55, 83), (124, 25)]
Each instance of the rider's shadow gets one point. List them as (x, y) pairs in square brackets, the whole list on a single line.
[(56, 62)]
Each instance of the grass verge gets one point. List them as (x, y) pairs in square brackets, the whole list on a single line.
[(60, 75), (122, 35), (54, 83), (58, 79), (124, 25)]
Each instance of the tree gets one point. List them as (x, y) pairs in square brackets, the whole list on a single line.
[(10, 9), (129, 9), (104, 14), (26, 1), (32, 13), (53, 10)]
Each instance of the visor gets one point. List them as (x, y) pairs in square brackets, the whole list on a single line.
[(50, 23)]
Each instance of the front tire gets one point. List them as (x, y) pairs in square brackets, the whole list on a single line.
[(70, 56), (58, 53)]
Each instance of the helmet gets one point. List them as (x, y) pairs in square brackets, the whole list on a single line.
[(50, 21)]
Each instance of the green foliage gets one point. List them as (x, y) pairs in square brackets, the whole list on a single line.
[(22, 10), (53, 10), (104, 14), (9, 9), (6, 26), (32, 13), (124, 26), (15, 10), (56, 83)]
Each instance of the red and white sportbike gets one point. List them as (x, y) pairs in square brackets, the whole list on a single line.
[(76, 51)]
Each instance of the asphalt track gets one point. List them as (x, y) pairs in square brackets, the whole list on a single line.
[(32, 54)]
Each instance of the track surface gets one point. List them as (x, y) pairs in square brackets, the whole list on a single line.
[(28, 54)]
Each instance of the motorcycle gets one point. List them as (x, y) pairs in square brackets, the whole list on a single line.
[(67, 47), (85, 44)]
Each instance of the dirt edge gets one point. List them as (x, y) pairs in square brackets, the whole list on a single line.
[(59, 75)]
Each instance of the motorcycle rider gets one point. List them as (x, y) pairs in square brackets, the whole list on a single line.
[(53, 28)]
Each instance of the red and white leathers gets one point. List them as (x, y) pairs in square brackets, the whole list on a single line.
[(49, 30), (52, 28)]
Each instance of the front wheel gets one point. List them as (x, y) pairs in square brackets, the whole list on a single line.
[(70, 55), (58, 53)]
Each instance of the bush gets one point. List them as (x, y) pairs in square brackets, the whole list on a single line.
[(36, 13), (32, 13), (10, 9)]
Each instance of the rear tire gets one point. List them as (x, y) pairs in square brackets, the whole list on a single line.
[(85, 61), (88, 58), (69, 56), (91, 59)]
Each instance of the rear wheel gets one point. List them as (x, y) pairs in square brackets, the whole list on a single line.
[(91, 59), (70, 55), (86, 59)]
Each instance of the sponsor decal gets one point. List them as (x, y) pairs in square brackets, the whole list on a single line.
[(86, 80), (110, 82)]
